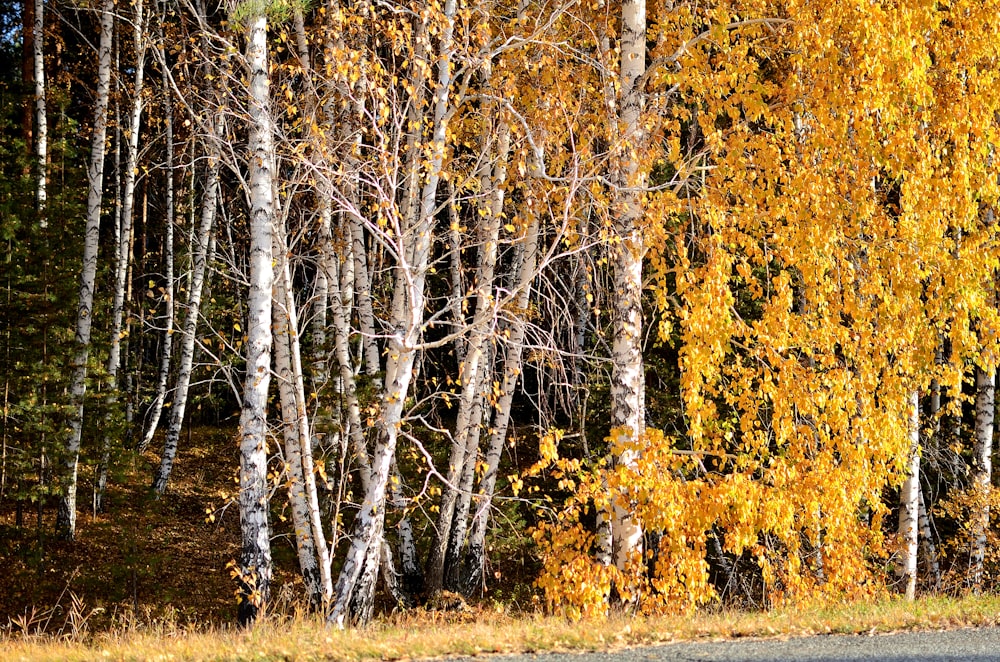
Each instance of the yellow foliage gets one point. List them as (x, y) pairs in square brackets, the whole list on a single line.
[(777, 516), (832, 231)]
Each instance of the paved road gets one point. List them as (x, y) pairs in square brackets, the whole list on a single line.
[(977, 645)]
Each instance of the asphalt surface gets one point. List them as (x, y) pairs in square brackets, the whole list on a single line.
[(971, 645)]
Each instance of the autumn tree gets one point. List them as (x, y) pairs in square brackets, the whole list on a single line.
[(792, 256), (66, 522)]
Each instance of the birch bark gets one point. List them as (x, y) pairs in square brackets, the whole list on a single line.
[(255, 566), (168, 318), (41, 121), (199, 265), (909, 496), (476, 557), (982, 468), (124, 256), (627, 378), (493, 179), (366, 312), (66, 517), (310, 541), (407, 320)]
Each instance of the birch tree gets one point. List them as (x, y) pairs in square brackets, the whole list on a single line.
[(41, 133), (982, 469), (512, 364), (66, 518), (300, 475), (166, 348), (909, 498), (627, 377), (255, 567), (360, 568), (200, 258), (453, 515), (124, 239)]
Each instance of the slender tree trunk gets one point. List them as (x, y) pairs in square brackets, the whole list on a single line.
[(459, 528), (168, 296), (412, 575), (348, 384), (476, 559), (199, 264), (582, 303), (41, 133), (366, 313), (255, 567), (627, 377), (66, 518), (982, 469), (124, 247), (465, 439), (321, 300), (297, 383), (456, 300), (927, 542), (493, 179), (366, 540), (909, 496), (310, 543), (407, 319)]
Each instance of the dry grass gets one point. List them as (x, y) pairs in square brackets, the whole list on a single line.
[(427, 634)]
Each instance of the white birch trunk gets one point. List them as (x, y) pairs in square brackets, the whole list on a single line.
[(370, 520), (909, 497), (412, 576), (199, 265), (463, 445), (168, 296), (627, 377), (321, 300), (407, 311), (476, 558), (305, 544), (459, 529), (305, 433), (310, 541), (349, 387), (255, 567), (493, 179), (982, 469), (66, 518), (366, 313), (41, 120), (124, 256)]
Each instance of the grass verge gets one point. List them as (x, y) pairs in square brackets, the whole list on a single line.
[(420, 635)]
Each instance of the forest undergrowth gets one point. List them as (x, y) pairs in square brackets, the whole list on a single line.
[(150, 565), (146, 559)]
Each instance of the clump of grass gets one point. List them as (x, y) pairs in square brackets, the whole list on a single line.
[(421, 634)]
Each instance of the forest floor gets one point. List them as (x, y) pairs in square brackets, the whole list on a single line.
[(141, 557), (155, 561)]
